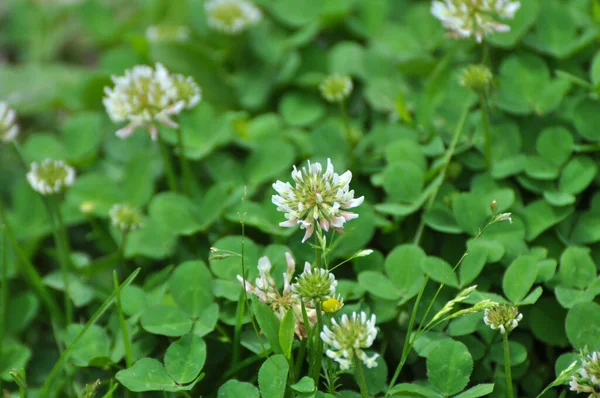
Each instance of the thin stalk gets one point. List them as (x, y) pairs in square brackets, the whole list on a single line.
[(124, 329), (4, 307), (507, 368), (64, 255), (359, 372), (122, 245), (184, 165), (20, 380), (318, 344), (485, 118), (48, 383), (347, 125), (237, 331), (300, 358), (443, 170), (168, 165)]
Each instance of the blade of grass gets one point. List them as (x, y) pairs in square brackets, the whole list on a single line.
[(45, 390)]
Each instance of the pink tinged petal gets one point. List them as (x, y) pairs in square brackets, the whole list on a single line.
[(501, 28), (348, 216), (248, 285), (353, 203), (307, 267), (338, 222), (308, 234), (153, 132), (264, 265), (288, 223), (325, 225), (291, 264), (125, 132)]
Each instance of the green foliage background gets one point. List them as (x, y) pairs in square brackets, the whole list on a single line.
[(262, 113)]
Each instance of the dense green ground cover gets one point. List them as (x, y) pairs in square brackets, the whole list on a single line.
[(119, 302)]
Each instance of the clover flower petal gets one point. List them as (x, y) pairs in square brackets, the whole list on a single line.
[(467, 18), (317, 200), (349, 337), (9, 130), (231, 16), (126, 218), (50, 177)]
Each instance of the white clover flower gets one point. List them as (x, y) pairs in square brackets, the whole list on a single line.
[(336, 88), (167, 33), (348, 338), (126, 218), (504, 317), (8, 126), (466, 18), (231, 16), (314, 284), (317, 199), (145, 96), (264, 288), (588, 378), (50, 177)]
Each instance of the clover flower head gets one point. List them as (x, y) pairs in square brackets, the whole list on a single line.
[(280, 302), (187, 90), (314, 284), (587, 380), (349, 337), (126, 218), (504, 317), (167, 33), (477, 78), (231, 16), (8, 126), (50, 177), (333, 304), (467, 18), (145, 96), (336, 88), (317, 199)]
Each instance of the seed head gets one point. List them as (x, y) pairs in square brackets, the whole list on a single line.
[(467, 18), (8, 127), (126, 218), (336, 88), (50, 177), (231, 16), (318, 199), (315, 284), (348, 338), (504, 317)]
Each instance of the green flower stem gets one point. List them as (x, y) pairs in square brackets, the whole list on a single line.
[(485, 118), (168, 164), (63, 253), (359, 372), (122, 245), (318, 344), (124, 329), (347, 129), (507, 367), (19, 379), (4, 306), (49, 382), (442, 175), (184, 165)]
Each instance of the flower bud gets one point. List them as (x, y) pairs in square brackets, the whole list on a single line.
[(477, 78)]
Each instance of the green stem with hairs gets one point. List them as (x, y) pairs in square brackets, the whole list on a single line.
[(63, 253), (168, 165), (318, 344), (507, 367), (359, 372)]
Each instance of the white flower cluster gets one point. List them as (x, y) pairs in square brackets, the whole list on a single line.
[(8, 127), (318, 199), (167, 33), (126, 218), (336, 88), (315, 284), (504, 317), (50, 177), (264, 288), (467, 18), (348, 338), (231, 16), (144, 96), (588, 378)]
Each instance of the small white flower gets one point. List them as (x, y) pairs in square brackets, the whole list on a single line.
[(167, 33), (503, 317), (467, 18), (318, 199), (8, 126), (336, 88), (126, 218), (264, 288), (315, 284), (588, 378), (231, 16), (348, 338), (145, 96), (50, 177)]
